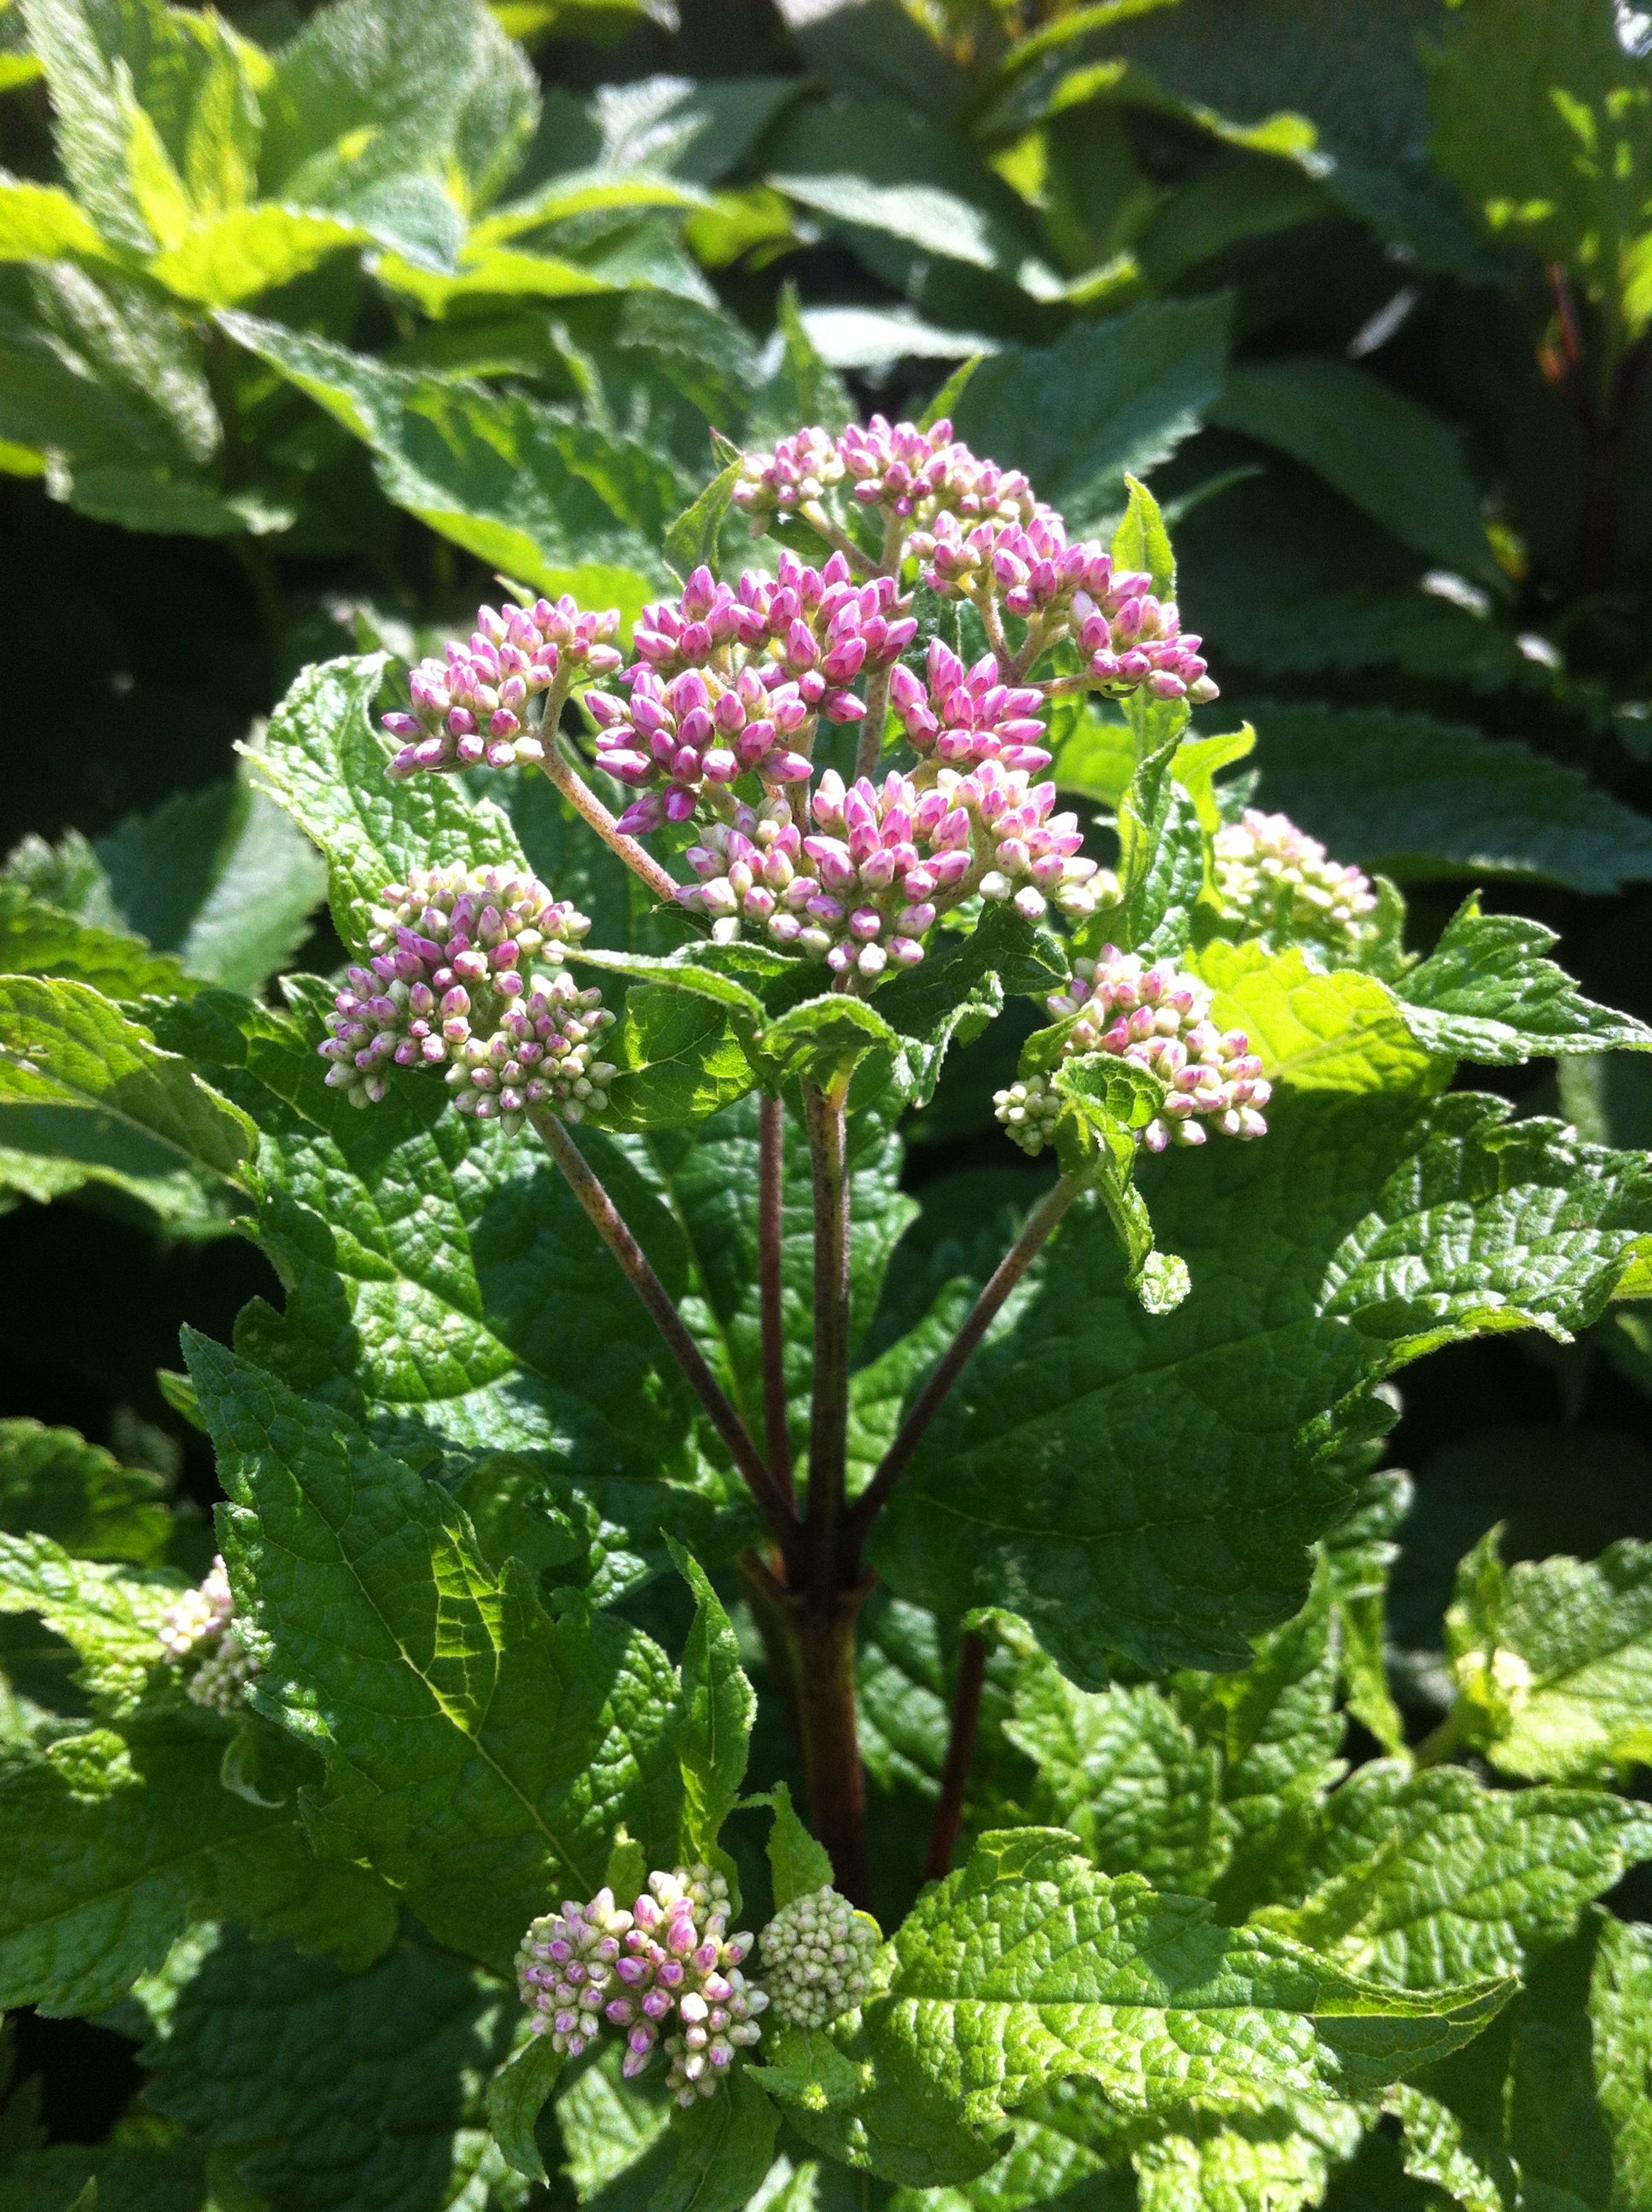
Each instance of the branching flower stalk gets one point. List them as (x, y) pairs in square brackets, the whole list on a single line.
[(715, 724)]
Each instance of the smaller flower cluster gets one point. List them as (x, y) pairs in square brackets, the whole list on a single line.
[(1272, 875), (686, 734), (964, 716), (905, 471), (451, 982), (668, 1958), (197, 1632), (1157, 1019), (818, 1951), (468, 709)]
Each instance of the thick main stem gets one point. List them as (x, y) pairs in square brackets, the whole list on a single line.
[(960, 1756), (1010, 1270), (771, 1222), (828, 1415), (604, 1217), (822, 1626)]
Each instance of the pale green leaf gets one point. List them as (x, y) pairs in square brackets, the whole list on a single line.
[(1487, 994)]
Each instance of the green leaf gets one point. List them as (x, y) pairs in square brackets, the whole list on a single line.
[(1169, 1469), (91, 129), (478, 1754), (36, 940), (680, 1058), (221, 878), (952, 995), (112, 1848), (725, 2146), (87, 1096), (324, 762), (843, 2097), (558, 504), (1141, 542), (1416, 1879), (1360, 1553), (333, 2090), (1422, 799), (1340, 1032), (1110, 397), (718, 1706), (111, 1620), (824, 1038), (1393, 458), (797, 1863), (1487, 994), (1029, 1965), (691, 540), (1111, 1101), (1162, 855), (1126, 1776), (1253, 2161), (941, 406), (41, 223), (55, 1483), (516, 2097), (1568, 1651)]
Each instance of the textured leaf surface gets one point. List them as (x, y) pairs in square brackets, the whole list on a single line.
[(1171, 1468), (1421, 798), (1341, 1032), (112, 1848), (36, 940), (478, 1752), (55, 1483), (1029, 1965), (110, 1618), (1424, 1879), (718, 1708), (1486, 993), (725, 2146), (797, 1862), (335, 2092)]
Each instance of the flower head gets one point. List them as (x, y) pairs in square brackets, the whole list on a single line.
[(1271, 874), (800, 470), (469, 710), (694, 730), (196, 1633), (963, 716), (818, 1953), (1157, 1019), (565, 1970)]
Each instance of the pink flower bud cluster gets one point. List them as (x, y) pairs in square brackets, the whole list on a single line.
[(905, 471), (694, 731), (965, 716), (452, 950), (197, 1632), (542, 1052), (470, 709), (1032, 853), (1030, 565), (1157, 1019), (1272, 875), (669, 1960), (1132, 639)]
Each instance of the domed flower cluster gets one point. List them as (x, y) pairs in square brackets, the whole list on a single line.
[(1157, 1019), (818, 1953), (905, 471), (668, 1958), (964, 716), (691, 732), (1274, 876), (867, 885), (196, 1632), (453, 981), (469, 710)]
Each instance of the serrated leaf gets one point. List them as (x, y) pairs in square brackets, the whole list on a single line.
[(1422, 799), (114, 1848), (1162, 856), (822, 1038), (1577, 1679), (1393, 458), (797, 1862), (1121, 1770), (1421, 1879), (56, 1484), (324, 763), (1269, 2162), (1487, 994), (478, 1754), (37, 939), (1111, 395), (91, 130), (718, 1706), (1170, 1468), (1317, 1032), (679, 1058), (516, 2096), (558, 504), (334, 2091), (1141, 542), (1111, 1101), (1029, 1965), (691, 540), (237, 253), (111, 1618), (39, 222), (1360, 1553), (725, 2146), (842, 2097)]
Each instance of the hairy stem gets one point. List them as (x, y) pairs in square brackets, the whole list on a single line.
[(829, 1416), (585, 801), (771, 1210), (1010, 1270), (869, 746), (960, 1753), (839, 539), (604, 1217), (822, 1636)]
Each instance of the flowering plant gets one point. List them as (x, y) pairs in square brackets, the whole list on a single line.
[(582, 1184)]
